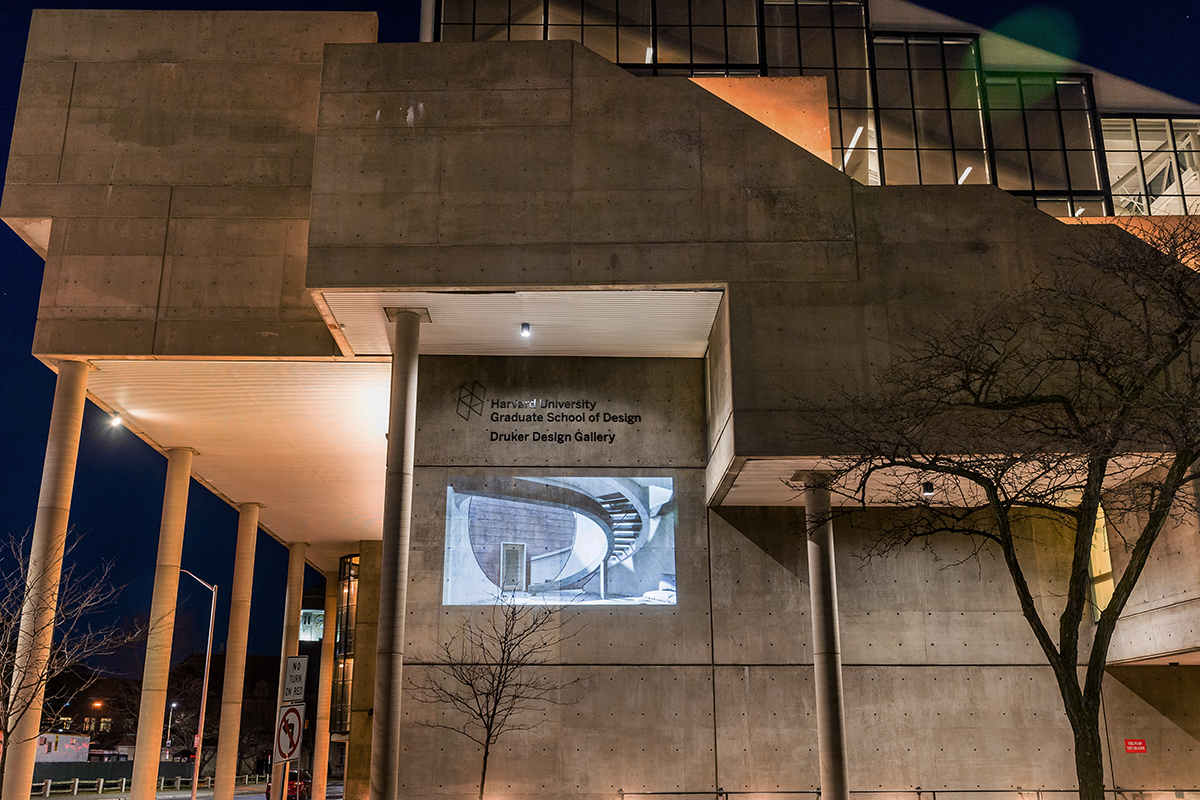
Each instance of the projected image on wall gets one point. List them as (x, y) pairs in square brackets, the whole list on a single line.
[(560, 541)]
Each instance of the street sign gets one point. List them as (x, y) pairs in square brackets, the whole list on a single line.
[(288, 733), (294, 678), (1135, 745), (196, 742)]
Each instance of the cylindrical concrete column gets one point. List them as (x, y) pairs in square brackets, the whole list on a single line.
[(393, 575), (41, 579), (320, 761), (291, 641), (357, 782), (826, 640), (427, 19), (235, 651), (148, 751)]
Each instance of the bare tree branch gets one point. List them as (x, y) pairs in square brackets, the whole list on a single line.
[(1079, 393), (489, 677)]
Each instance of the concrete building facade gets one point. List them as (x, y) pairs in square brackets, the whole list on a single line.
[(300, 263)]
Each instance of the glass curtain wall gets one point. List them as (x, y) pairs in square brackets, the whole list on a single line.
[(912, 108), (1153, 165), (343, 646), (1044, 134), (707, 37), (930, 110)]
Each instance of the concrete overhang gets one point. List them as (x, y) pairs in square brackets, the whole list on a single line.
[(626, 323), (308, 438)]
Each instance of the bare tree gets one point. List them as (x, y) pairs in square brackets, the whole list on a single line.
[(1074, 400), (78, 631), (489, 675)]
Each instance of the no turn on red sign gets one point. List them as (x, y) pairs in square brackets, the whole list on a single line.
[(289, 729)]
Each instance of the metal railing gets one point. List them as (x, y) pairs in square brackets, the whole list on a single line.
[(77, 786)]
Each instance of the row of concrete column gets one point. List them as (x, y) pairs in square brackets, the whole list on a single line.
[(383, 739), (37, 619)]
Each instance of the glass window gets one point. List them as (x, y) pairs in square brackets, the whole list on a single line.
[(937, 166), (893, 88), (637, 12), (491, 12), (708, 12), (814, 14), (743, 45), (560, 13), (960, 54), (851, 48), (816, 48), (737, 12), (601, 40), (600, 12), (848, 15), (972, 166), (782, 50), (925, 53), (1042, 127), (852, 88), (774, 14), (632, 44), (896, 128), (708, 45), (1003, 93), (929, 88), (1049, 170), (1077, 130), (889, 53), (1012, 170), (933, 129), (900, 167), (1082, 166), (968, 129), (457, 10)]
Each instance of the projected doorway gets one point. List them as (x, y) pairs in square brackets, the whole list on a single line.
[(559, 541)]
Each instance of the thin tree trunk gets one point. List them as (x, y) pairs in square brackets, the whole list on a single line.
[(1089, 762), (483, 771)]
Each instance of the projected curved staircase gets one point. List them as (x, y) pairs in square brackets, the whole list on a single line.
[(619, 513)]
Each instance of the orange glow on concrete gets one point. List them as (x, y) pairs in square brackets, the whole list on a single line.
[(797, 108), (1137, 226)]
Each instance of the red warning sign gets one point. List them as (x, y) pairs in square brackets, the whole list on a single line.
[(1135, 745), (287, 733)]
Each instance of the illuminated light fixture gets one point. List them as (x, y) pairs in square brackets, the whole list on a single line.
[(963, 177), (927, 489), (525, 329), (115, 420), (850, 149), (649, 55), (1079, 212)]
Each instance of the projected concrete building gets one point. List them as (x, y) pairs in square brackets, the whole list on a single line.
[(300, 264)]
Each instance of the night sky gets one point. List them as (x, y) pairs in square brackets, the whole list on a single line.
[(119, 481)]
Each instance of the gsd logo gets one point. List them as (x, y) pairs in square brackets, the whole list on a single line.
[(470, 400)]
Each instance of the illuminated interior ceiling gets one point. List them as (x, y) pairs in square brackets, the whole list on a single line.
[(307, 439), (633, 323)]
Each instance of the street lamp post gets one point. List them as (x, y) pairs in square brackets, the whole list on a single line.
[(170, 719), (212, 618)]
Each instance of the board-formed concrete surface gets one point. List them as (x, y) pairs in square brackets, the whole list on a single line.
[(197, 183)]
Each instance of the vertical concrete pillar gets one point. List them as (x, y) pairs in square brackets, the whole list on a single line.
[(826, 639), (151, 714), (393, 570), (235, 651), (320, 762), (41, 578), (291, 641), (357, 782)]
